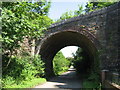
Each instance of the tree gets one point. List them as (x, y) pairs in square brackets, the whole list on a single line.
[(60, 63), (71, 14), (42, 8), (79, 11), (91, 6), (22, 19), (66, 15), (81, 61)]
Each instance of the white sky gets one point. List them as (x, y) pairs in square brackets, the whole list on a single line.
[(67, 51)]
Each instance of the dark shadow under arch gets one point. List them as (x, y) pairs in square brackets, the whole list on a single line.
[(56, 41)]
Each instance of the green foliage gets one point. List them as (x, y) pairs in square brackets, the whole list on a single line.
[(42, 7), (25, 84), (87, 68), (91, 6), (71, 59), (66, 15), (21, 19), (92, 82), (71, 14), (91, 85), (8, 81), (60, 63), (22, 69), (81, 61), (79, 11)]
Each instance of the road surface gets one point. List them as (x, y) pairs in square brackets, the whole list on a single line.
[(67, 80)]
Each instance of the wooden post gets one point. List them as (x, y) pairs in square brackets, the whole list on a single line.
[(103, 76)]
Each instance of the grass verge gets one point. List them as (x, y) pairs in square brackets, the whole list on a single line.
[(90, 84), (27, 84)]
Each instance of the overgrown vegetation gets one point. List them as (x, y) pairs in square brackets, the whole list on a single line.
[(22, 69), (92, 6), (86, 68), (71, 14), (25, 84), (22, 25), (25, 21), (92, 85), (60, 63), (93, 79), (20, 20), (81, 61)]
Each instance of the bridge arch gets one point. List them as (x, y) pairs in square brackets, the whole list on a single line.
[(54, 42), (81, 31)]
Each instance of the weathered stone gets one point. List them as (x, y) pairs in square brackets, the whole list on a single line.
[(97, 31)]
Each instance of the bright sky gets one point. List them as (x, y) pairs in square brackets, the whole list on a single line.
[(67, 51), (58, 7)]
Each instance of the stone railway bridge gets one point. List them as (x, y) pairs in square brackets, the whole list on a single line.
[(97, 32)]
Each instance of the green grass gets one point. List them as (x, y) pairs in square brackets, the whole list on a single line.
[(91, 85), (28, 84), (63, 71)]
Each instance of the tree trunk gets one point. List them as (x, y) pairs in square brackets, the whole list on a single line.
[(33, 47)]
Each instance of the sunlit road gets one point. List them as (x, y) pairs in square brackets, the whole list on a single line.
[(67, 80)]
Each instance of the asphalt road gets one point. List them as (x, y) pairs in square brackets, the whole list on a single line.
[(67, 80)]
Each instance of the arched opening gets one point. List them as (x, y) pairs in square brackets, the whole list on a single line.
[(56, 41), (75, 57), (63, 60)]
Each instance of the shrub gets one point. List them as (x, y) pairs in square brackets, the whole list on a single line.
[(8, 80), (60, 63), (92, 82), (21, 69)]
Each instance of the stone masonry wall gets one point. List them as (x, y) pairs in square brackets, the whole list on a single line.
[(104, 25)]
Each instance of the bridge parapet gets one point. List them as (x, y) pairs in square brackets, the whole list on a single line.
[(92, 21), (88, 15)]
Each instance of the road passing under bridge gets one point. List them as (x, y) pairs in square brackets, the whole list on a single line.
[(67, 80)]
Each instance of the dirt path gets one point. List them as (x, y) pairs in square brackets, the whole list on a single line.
[(67, 80)]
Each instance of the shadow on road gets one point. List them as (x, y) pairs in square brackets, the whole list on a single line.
[(68, 80)]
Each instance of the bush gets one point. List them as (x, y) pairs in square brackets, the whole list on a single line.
[(87, 68), (92, 82), (21, 69), (60, 63), (8, 80), (26, 84), (81, 61)]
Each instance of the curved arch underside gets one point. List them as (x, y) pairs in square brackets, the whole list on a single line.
[(71, 32), (56, 41)]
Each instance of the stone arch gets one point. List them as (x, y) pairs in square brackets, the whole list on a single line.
[(54, 42)]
